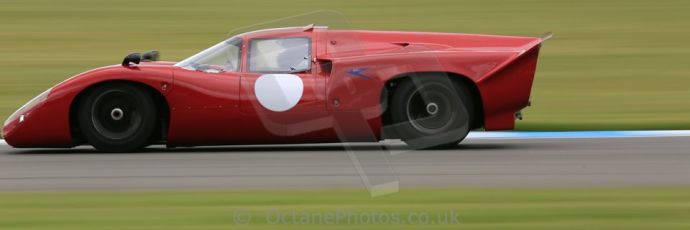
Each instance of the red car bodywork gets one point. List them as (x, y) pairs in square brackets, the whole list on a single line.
[(221, 108)]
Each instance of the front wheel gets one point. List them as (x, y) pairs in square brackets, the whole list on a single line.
[(117, 117), (431, 112)]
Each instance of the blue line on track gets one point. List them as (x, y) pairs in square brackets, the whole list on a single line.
[(576, 134)]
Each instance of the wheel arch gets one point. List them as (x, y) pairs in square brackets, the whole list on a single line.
[(389, 88), (161, 105)]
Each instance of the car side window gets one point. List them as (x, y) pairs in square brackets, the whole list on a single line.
[(280, 55)]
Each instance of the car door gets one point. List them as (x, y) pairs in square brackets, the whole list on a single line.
[(280, 91), (206, 97)]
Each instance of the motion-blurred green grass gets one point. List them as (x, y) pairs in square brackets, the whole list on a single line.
[(529, 209), (614, 64)]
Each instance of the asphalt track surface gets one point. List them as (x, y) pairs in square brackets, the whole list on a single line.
[(477, 162)]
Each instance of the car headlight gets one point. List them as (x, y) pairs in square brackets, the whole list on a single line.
[(28, 106)]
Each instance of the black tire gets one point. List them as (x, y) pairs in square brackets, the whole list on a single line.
[(431, 111), (117, 117)]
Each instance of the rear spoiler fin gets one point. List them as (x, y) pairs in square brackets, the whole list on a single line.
[(546, 36)]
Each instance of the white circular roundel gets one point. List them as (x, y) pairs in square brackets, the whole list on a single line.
[(278, 92)]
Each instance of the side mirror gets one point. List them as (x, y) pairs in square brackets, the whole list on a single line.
[(151, 55), (131, 58)]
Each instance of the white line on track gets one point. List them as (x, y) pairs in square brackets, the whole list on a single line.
[(564, 134)]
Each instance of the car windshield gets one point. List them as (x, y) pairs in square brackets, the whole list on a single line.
[(224, 56)]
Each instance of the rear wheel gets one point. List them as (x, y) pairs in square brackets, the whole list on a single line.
[(431, 112), (117, 117)]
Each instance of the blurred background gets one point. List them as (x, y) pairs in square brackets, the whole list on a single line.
[(614, 64)]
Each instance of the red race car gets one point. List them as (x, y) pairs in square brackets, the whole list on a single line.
[(291, 85)]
